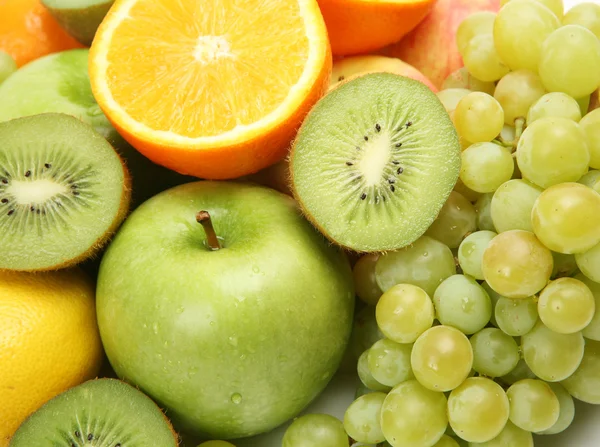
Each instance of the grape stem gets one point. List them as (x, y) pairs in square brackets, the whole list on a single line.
[(519, 127), (203, 218)]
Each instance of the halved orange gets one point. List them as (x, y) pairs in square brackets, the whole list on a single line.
[(211, 88)]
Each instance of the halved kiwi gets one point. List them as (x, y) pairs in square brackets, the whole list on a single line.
[(63, 191), (375, 161), (100, 413)]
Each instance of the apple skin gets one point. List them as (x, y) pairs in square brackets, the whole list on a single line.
[(431, 46), (232, 342)]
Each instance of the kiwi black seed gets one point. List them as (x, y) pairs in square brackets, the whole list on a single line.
[(63, 191), (375, 161), (98, 413)]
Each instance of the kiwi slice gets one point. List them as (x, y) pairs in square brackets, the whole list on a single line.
[(79, 18), (374, 162), (63, 192), (99, 413)]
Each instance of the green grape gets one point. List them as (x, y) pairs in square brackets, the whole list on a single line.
[(451, 97), (556, 6), (446, 441), (565, 218), (585, 14), (365, 283), (590, 124), (570, 61), (425, 263), (564, 265), (486, 166), (552, 151), (389, 362), (589, 263), (519, 32), (478, 409), (516, 264), (365, 331), (456, 219), (481, 22), (591, 178), (483, 208), (462, 303), (461, 78), (481, 58), (404, 312), (442, 358), (315, 430), (470, 252), (533, 405), (516, 317), (510, 436), (584, 383), (479, 117), (512, 204), (592, 330), (566, 305), (516, 92), (365, 376), (362, 418), (412, 415), (566, 413), (216, 444), (495, 354), (520, 372), (554, 105), (7, 66), (494, 297), (469, 194), (551, 356)]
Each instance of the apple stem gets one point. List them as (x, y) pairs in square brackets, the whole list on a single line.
[(203, 218)]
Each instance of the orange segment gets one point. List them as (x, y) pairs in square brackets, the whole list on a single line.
[(214, 88)]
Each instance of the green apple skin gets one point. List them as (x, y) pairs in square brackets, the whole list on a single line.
[(232, 342)]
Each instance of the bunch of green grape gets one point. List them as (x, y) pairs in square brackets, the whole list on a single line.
[(484, 331)]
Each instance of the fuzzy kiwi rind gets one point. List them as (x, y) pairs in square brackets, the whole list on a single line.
[(99, 413), (374, 162), (91, 192)]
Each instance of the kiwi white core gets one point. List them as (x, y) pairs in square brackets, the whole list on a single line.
[(211, 48), (35, 192), (375, 157)]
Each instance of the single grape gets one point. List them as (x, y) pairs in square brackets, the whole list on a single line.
[(479, 117), (389, 362), (451, 97), (519, 32), (512, 204), (566, 305), (516, 264), (412, 415), (533, 405), (556, 6), (461, 78), (456, 219), (446, 441), (552, 151), (589, 263), (481, 58), (217, 444), (404, 312), (469, 194), (592, 330), (442, 358), (462, 303), (552, 356), (486, 166), (315, 430), (495, 354), (591, 178), (478, 409), (554, 105), (585, 14), (567, 410), (365, 331), (570, 61), (564, 265), (425, 263), (520, 372), (470, 252), (481, 22), (584, 383), (362, 418), (565, 218), (365, 376), (510, 436), (7, 66), (483, 208), (516, 92), (365, 283), (590, 124), (516, 317), (494, 297)]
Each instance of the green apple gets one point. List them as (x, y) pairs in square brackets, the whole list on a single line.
[(233, 334)]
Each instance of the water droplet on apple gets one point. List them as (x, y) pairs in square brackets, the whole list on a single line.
[(167, 343), (233, 341), (236, 398), (180, 310), (255, 269), (212, 323), (192, 371), (155, 328)]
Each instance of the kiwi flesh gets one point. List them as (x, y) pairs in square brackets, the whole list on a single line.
[(99, 413), (374, 162), (79, 18), (63, 191)]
